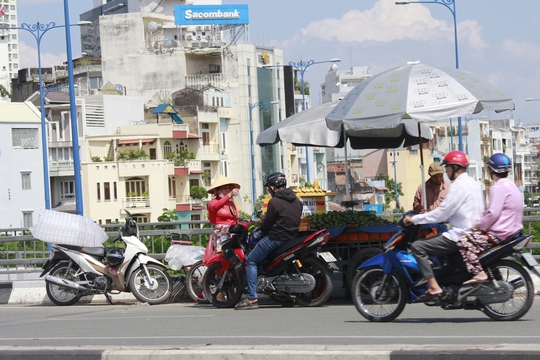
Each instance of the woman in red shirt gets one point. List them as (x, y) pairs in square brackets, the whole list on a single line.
[(222, 211)]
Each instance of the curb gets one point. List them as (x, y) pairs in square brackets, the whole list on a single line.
[(277, 352), (33, 292)]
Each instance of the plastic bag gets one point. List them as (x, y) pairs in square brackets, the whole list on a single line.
[(62, 228), (178, 256)]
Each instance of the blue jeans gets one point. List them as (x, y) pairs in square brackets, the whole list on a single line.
[(264, 247)]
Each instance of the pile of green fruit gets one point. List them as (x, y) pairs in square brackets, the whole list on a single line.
[(334, 219)]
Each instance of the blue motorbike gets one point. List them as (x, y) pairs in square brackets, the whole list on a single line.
[(385, 283)]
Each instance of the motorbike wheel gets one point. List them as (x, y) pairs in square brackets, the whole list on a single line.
[(194, 280), (323, 285), (376, 301), (154, 294), (523, 297), (60, 295), (222, 295), (358, 259)]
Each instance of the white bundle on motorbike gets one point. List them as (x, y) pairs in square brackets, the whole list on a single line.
[(178, 256), (62, 228)]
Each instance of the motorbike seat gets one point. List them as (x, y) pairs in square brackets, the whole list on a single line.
[(93, 251), (288, 245)]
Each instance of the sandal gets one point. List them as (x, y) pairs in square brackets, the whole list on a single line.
[(246, 304), (475, 281), (427, 296)]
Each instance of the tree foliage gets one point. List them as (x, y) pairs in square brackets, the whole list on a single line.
[(390, 195)]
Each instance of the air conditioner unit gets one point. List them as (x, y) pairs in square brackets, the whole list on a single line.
[(207, 27), (61, 73), (199, 37), (94, 91), (198, 28), (189, 37)]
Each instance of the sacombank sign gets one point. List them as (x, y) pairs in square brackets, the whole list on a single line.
[(211, 15)]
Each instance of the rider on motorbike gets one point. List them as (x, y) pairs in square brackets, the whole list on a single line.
[(280, 223), (462, 208)]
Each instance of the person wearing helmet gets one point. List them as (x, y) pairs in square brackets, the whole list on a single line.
[(436, 189), (502, 219), (280, 223), (461, 208)]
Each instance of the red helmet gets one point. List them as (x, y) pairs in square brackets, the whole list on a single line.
[(456, 157)]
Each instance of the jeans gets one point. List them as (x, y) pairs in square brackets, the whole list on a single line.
[(264, 247)]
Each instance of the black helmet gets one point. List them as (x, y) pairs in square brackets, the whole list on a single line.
[(115, 256), (276, 179)]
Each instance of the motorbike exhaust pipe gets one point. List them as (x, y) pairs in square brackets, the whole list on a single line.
[(65, 283)]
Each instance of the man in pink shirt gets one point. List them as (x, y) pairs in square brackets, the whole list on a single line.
[(503, 218)]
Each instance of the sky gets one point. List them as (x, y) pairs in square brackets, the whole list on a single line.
[(497, 40)]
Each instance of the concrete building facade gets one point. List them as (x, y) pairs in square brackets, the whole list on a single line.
[(9, 44)]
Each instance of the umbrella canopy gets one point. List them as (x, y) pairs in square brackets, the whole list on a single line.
[(308, 128), (416, 91)]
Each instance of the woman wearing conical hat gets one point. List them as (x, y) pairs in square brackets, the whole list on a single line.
[(222, 211)]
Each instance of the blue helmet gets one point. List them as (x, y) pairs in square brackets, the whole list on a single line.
[(499, 163)]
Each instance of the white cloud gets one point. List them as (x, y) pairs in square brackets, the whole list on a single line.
[(28, 57), (387, 22)]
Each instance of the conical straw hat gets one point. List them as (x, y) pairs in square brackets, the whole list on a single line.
[(220, 181)]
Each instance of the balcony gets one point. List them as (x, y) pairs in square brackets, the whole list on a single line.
[(136, 202), (187, 203), (200, 81), (209, 152), (186, 168), (61, 168)]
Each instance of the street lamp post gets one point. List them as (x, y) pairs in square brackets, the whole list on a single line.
[(38, 30), (301, 67), (450, 5), (251, 148), (74, 131)]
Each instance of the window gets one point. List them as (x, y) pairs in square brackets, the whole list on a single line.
[(172, 187), (27, 219), (26, 181), (67, 190), (107, 191), (115, 191), (195, 218), (24, 138), (167, 149), (135, 187), (193, 182), (214, 69)]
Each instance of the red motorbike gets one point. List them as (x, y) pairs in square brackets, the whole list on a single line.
[(297, 270)]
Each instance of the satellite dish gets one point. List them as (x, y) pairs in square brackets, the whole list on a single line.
[(169, 44), (320, 167)]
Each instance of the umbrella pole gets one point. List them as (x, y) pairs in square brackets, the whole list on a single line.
[(347, 186), (424, 199)]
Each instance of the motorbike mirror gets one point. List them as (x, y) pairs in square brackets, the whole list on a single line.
[(128, 213), (258, 206)]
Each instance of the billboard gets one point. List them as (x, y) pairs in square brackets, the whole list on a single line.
[(211, 15)]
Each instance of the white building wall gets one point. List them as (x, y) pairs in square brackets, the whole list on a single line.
[(14, 161), (9, 44)]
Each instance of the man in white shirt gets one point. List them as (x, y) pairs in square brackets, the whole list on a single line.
[(462, 208)]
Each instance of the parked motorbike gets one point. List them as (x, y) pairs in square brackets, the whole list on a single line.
[(295, 271), (385, 283), (75, 271)]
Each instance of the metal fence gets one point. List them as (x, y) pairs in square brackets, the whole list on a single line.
[(20, 252)]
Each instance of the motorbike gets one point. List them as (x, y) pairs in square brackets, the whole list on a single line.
[(75, 271), (384, 284), (295, 272)]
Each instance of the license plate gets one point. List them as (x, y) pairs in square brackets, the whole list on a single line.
[(327, 256), (529, 259)]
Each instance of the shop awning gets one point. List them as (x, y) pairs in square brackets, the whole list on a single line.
[(136, 141)]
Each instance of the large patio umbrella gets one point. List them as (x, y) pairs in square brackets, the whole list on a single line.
[(415, 91), (308, 128)]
